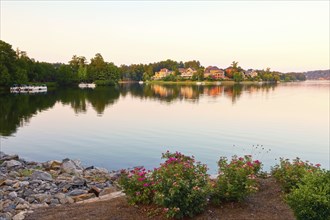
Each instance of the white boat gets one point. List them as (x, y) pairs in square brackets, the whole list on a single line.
[(198, 83), (218, 83), (140, 82), (28, 89), (87, 85)]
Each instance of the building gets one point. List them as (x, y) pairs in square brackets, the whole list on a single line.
[(251, 73), (214, 72), (187, 73), (162, 73)]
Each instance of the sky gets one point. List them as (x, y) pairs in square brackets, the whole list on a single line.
[(282, 35)]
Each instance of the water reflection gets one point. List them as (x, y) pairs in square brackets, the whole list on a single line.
[(17, 109), (169, 93)]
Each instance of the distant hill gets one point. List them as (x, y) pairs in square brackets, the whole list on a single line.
[(318, 75)]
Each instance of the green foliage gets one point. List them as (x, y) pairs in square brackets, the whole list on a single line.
[(238, 76), (137, 185), (290, 174), (237, 179), (179, 186), (311, 199), (105, 82)]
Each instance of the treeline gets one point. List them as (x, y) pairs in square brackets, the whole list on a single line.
[(318, 75), (17, 68)]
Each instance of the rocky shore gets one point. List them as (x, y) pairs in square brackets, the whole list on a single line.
[(27, 185)]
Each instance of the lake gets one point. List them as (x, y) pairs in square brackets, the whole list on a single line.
[(131, 124)]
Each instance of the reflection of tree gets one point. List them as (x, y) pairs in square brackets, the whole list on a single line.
[(17, 109), (101, 97)]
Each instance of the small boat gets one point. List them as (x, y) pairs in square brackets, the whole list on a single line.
[(140, 82), (218, 83), (198, 83), (86, 85), (27, 88)]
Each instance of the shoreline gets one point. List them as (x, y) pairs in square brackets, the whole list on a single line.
[(27, 185)]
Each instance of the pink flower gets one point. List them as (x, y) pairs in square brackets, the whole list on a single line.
[(141, 179), (317, 165), (146, 185)]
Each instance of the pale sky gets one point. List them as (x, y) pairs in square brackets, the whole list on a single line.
[(283, 35)]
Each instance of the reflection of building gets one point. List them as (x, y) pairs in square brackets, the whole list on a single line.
[(162, 73), (213, 91), (214, 72), (251, 73), (187, 73), (162, 91), (187, 92)]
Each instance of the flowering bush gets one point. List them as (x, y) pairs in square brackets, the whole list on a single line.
[(290, 174), (136, 185), (236, 179), (181, 185), (311, 199)]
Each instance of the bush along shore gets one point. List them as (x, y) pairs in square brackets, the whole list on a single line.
[(179, 188), (26, 185)]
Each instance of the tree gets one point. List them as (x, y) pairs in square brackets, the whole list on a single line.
[(238, 77)]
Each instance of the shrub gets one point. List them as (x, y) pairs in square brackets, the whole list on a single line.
[(289, 174), (136, 185), (310, 200), (236, 179), (105, 82), (181, 185)]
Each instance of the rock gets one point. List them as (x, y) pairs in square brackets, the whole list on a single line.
[(12, 195), (13, 174), (41, 175), (107, 190), (16, 185), (9, 182), (41, 198), (12, 163), (77, 181), (52, 165), (9, 208), (77, 192), (59, 196), (54, 202), (95, 190), (22, 206), (19, 201), (70, 167), (8, 157), (20, 216), (83, 197), (66, 200), (6, 215), (24, 183)]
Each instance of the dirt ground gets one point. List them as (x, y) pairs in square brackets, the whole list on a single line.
[(265, 204)]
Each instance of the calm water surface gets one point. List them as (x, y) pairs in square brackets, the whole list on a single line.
[(132, 125)]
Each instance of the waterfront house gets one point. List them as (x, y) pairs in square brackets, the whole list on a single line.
[(251, 73), (187, 73), (214, 72), (163, 73)]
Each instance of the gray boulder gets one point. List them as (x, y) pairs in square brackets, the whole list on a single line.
[(41, 175)]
